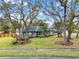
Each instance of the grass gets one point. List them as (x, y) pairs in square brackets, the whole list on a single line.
[(49, 54), (47, 42), (5, 42)]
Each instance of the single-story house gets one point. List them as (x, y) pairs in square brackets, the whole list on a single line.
[(36, 30)]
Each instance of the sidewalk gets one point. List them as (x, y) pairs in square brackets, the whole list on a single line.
[(38, 50)]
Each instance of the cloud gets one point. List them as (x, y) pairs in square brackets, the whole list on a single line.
[(6, 1), (40, 13), (0, 14), (58, 4), (12, 1), (69, 1), (15, 15), (25, 3)]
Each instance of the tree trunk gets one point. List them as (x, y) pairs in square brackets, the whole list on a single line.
[(77, 34), (19, 31), (44, 34), (58, 34), (69, 36), (37, 34), (65, 38)]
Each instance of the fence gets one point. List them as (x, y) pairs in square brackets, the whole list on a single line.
[(7, 34)]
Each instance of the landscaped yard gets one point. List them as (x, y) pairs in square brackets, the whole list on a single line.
[(47, 42), (34, 18)]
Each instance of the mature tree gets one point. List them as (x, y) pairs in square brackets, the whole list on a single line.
[(43, 26), (64, 4), (4, 25), (50, 10), (27, 15), (5, 8), (71, 17), (77, 28), (58, 26), (59, 12), (22, 13)]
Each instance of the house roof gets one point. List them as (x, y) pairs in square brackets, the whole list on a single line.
[(33, 29), (37, 29)]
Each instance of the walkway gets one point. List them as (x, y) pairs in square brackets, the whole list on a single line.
[(37, 50)]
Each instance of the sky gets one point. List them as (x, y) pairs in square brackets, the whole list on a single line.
[(41, 15)]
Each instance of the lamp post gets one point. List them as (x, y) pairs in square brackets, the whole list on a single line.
[(64, 4)]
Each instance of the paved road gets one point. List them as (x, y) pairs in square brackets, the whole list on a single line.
[(39, 57)]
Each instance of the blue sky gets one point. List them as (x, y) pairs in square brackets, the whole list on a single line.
[(41, 15)]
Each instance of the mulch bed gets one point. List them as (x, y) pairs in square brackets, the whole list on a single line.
[(64, 43), (22, 41)]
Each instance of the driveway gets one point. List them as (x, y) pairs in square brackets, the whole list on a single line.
[(39, 57)]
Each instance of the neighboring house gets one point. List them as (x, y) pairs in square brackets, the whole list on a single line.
[(36, 30), (33, 31), (50, 31)]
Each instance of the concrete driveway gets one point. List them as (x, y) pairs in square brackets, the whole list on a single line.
[(39, 57)]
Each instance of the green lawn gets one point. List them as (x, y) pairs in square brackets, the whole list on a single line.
[(6, 42), (47, 42), (49, 54)]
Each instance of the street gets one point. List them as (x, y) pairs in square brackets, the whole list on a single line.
[(39, 57)]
